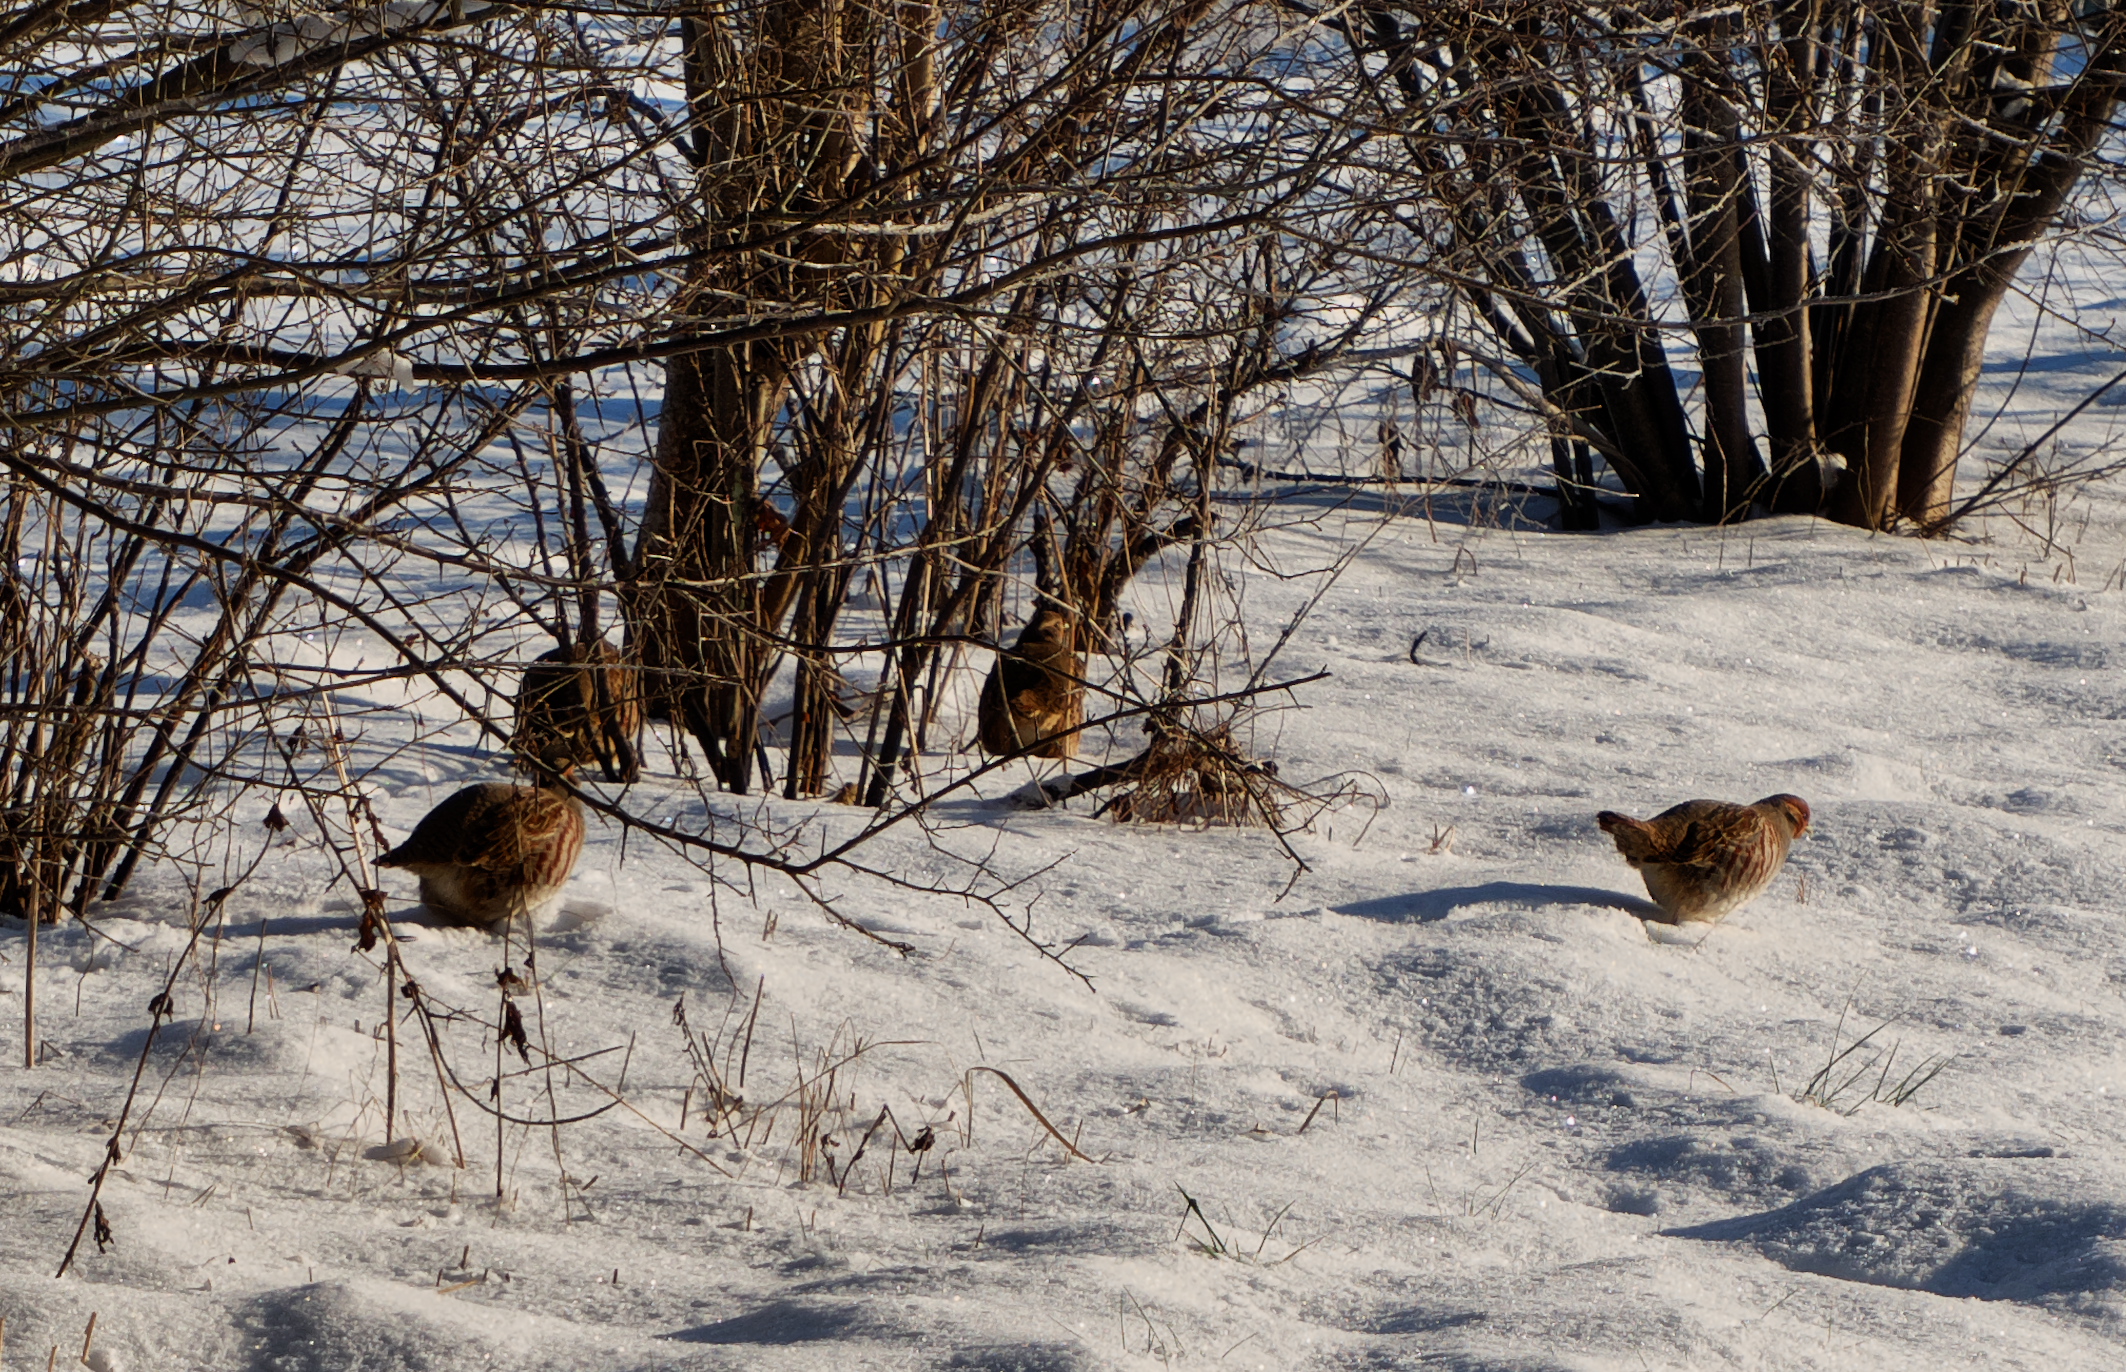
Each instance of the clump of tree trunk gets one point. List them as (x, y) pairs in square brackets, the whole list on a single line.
[(1842, 192)]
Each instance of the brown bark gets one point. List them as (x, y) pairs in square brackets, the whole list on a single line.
[(1786, 386), (1624, 391), (694, 604), (1872, 400), (1880, 359), (778, 113), (2027, 181), (1713, 281)]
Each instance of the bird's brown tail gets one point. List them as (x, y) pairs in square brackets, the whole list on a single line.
[(1634, 839)]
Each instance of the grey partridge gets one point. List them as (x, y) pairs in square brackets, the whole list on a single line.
[(492, 851), (1034, 699), (1705, 858), (585, 699)]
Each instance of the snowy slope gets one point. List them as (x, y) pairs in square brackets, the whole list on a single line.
[(1554, 1140)]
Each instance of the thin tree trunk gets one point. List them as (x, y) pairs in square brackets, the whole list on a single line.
[(1715, 285), (2027, 193), (695, 598)]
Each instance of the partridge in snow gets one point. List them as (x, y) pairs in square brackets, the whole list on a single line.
[(494, 850), (585, 699), (1032, 699), (1704, 858)]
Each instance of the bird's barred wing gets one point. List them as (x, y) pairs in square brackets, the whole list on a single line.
[(1691, 846), (503, 835)]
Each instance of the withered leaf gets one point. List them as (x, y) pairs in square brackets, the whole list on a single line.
[(513, 1031)]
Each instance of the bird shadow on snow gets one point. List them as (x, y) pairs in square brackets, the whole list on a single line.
[(785, 1322), (342, 919), (1425, 907)]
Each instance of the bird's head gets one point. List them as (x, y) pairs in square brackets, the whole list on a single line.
[(555, 764), (1793, 808)]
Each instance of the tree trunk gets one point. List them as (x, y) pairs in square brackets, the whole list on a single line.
[(777, 96), (1941, 401), (1714, 284), (1872, 398), (694, 599)]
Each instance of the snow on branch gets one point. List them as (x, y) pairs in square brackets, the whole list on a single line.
[(384, 365), (283, 43)]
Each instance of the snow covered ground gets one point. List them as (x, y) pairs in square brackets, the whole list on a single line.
[(1448, 1101)]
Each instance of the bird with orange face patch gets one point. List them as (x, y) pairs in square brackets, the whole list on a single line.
[(1705, 858)]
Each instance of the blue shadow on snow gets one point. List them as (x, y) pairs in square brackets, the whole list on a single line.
[(1425, 907)]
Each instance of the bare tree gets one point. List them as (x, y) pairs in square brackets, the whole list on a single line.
[(1841, 194)]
